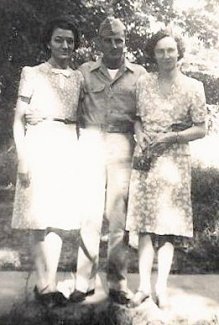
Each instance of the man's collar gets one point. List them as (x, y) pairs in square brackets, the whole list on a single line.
[(129, 65), (96, 65), (99, 63)]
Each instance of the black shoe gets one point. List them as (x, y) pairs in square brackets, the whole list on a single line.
[(90, 292), (59, 299), (50, 299), (79, 296), (120, 297), (45, 299)]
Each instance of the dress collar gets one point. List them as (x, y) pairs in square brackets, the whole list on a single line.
[(64, 72), (59, 71)]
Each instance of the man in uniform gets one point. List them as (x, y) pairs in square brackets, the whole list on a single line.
[(107, 115)]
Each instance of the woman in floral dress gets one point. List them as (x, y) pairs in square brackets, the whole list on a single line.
[(46, 198), (171, 112)]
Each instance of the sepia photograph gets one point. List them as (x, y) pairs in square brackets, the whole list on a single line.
[(109, 163)]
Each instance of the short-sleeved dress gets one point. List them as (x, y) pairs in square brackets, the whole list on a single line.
[(160, 199), (51, 151)]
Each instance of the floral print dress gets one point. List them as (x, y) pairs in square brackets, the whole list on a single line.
[(160, 199), (51, 151)]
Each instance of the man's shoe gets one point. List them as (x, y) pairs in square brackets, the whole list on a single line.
[(120, 297), (79, 296), (59, 299)]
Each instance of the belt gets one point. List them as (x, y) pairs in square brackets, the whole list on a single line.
[(109, 128), (65, 121)]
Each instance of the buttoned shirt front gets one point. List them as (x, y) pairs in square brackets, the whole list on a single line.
[(105, 100)]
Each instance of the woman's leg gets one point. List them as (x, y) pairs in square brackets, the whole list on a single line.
[(47, 250), (39, 256), (53, 246), (165, 258), (146, 258)]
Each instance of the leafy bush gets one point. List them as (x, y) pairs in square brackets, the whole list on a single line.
[(8, 167), (202, 253)]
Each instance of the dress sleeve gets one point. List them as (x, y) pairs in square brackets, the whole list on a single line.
[(26, 83), (198, 109), (141, 94)]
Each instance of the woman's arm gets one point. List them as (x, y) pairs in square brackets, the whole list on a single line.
[(19, 138), (193, 133), (164, 140), (141, 138)]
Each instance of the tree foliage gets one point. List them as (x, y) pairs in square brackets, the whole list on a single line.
[(22, 22)]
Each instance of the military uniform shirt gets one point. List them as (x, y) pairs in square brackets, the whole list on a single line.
[(106, 100)]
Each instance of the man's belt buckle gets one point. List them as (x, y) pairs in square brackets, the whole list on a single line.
[(112, 128), (123, 128)]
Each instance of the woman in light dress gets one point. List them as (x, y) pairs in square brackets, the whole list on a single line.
[(171, 112), (48, 184)]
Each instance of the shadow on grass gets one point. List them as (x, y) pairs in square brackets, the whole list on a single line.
[(103, 313), (32, 313)]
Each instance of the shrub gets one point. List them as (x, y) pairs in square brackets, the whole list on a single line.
[(202, 253)]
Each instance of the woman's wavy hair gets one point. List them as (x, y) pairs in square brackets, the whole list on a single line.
[(155, 38), (64, 22)]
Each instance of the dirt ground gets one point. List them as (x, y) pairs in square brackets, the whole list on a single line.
[(193, 299)]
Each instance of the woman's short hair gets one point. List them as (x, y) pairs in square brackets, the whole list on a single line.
[(155, 38), (64, 22)]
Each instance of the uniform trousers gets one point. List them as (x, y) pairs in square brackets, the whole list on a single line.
[(106, 165)]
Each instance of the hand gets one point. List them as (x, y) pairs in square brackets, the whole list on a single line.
[(143, 140), (24, 179), (162, 142), (33, 116)]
